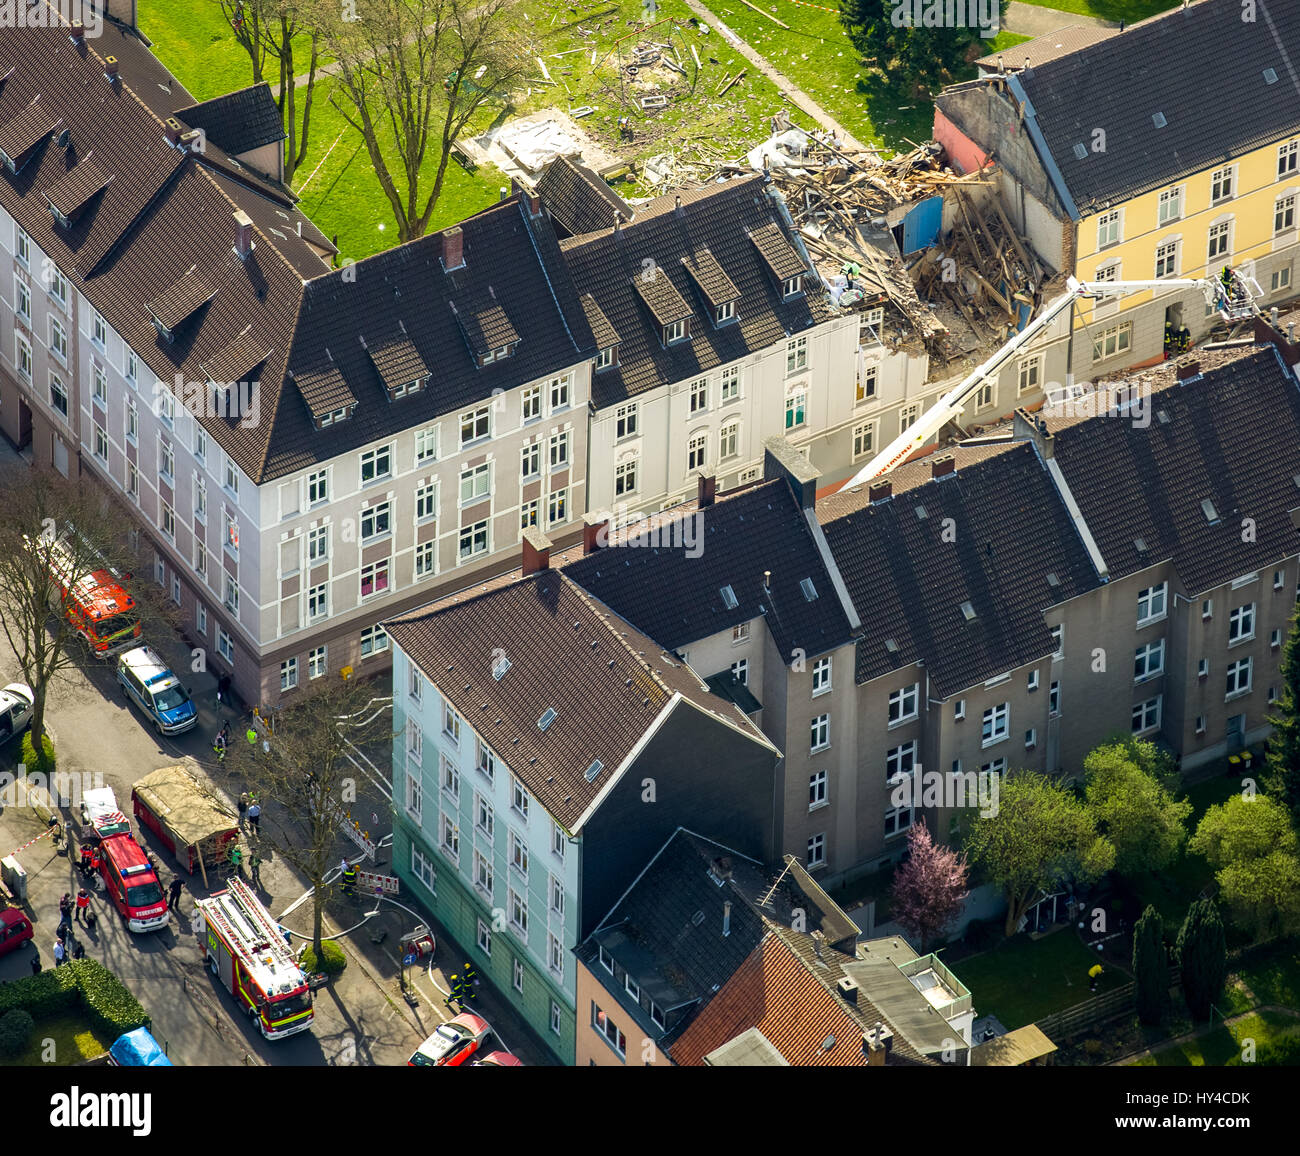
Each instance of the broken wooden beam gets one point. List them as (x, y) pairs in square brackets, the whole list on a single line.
[(769, 15)]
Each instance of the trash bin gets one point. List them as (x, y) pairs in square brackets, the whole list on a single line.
[(15, 878)]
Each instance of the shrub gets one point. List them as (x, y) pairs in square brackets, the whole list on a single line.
[(108, 1003), (41, 762), (1279, 1053), (16, 1029), (48, 993), (332, 961)]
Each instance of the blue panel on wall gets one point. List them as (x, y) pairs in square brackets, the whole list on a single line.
[(921, 226)]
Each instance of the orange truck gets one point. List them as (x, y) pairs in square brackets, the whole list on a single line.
[(104, 615)]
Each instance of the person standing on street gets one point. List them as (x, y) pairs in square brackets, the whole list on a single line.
[(36, 961), (470, 976), (349, 879), (60, 952), (223, 689), (254, 868), (243, 806), (174, 894), (254, 814), (79, 950), (83, 902)]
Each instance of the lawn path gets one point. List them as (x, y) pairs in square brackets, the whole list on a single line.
[(1032, 20)]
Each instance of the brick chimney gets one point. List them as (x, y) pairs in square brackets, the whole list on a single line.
[(172, 129), (1191, 369), (243, 234), (880, 489), (943, 465), (453, 248), (78, 34), (706, 489), (534, 205), (595, 533), (110, 68), (678, 208), (536, 551)]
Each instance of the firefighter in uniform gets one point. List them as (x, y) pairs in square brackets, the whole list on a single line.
[(457, 993), (1169, 339), (349, 881), (470, 977), (1184, 339)]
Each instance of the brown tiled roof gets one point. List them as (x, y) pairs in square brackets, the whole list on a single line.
[(73, 192), (604, 333), (666, 305), (579, 199), (778, 993), (324, 390), (237, 360), (183, 299), (1010, 530), (607, 683), (1047, 47), (396, 359), (778, 254), (742, 535), (918, 472), (716, 217), (485, 325), (1231, 436), (23, 131), (712, 279)]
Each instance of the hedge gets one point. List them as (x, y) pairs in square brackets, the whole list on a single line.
[(16, 1029), (82, 982), (333, 960), (44, 762)]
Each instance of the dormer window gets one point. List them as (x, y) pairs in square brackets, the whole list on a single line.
[(408, 387), (725, 312), (499, 354), (676, 331), (333, 417), (59, 217), (792, 286), (163, 331), (606, 358)]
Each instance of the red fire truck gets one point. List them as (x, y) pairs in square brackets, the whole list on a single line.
[(247, 952), (130, 881), (95, 603)]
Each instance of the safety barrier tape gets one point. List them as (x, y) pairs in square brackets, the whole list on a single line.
[(44, 834)]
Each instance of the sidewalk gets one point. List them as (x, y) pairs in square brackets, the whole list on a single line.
[(1035, 20)]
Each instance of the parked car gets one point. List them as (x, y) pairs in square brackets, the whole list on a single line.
[(16, 701), (156, 691), (137, 1049), (452, 1044), (498, 1060), (15, 929)]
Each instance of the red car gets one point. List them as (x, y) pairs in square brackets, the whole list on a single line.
[(15, 928), (452, 1044), (498, 1060)]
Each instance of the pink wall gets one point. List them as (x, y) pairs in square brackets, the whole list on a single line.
[(963, 153)]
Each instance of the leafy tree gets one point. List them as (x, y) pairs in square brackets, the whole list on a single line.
[(1281, 777), (1150, 968), (1203, 955), (276, 28), (929, 887), (1263, 895), (308, 772), (927, 52), (1040, 836), (414, 73), (1126, 792), (1243, 828)]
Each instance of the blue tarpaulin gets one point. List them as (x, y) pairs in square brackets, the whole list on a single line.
[(921, 226), (138, 1049)]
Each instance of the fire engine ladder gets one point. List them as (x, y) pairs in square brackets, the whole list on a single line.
[(262, 922), (1236, 304), (254, 913)]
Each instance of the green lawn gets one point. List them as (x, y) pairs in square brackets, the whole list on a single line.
[(194, 40), (1275, 980), (1216, 1048), (1022, 980), (816, 55), (73, 1040), (1128, 10)]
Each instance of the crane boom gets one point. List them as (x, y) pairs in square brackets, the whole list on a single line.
[(1231, 307)]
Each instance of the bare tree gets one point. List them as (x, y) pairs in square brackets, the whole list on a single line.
[(305, 768), (51, 526), (417, 71), (269, 28)]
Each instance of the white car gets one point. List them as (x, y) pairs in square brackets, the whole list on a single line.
[(16, 701)]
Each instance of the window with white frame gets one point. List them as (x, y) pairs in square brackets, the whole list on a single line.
[(1031, 372), (201, 619), (866, 384), (796, 355), (557, 507), (1170, 207), (606, 1027), (984, 397), (130, 368), (426, 445), (997, 724), (724, 312), (518, 797), (556, 892), (288, 674), (699, 395), (484, 816), (817, 850), (1238, 680), (231, 480), (450, 777), (318, 487), (225, 646), (1167, 259), (560, 388), (530, 460), (729, 384), (900, 760), (1108, 229), (165, 405), (374, 640), (556, 1017), (959, 710), (529, 513), (1054, 699), (819, 733), (23, 356), (167, 521), (821, 676), (132, 481), (484, 939), (58, 395), (796, 405), (376, 521), (530, 404), (1151, 604), (23, 300), (1149, 660), (558, 839), (426, 559), (1220, 235), (484, 878), (98, 329), (485, 762), (23, 248), (904, 703), (1146, 715), (1222, 184), (231, 597), (475, 424), (450, 839), (475, 483), (176, 589), (675, 331), (99, 383), (908, 416), (518, 908), (1280, 279), (740, 669), (318, 544), (729, 441), (625, 476), (625, 417), (1241, 623), (697, 451), (518, 854), (555, 955), (817, 785), (1284, 214), (897, 820), (473, 540), (560, 444), (317, 663), (864, 439), (792, 286), (1286, 158), (230, 533)]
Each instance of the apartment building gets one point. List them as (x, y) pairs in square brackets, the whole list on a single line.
[(548, 749), (1114, 165)]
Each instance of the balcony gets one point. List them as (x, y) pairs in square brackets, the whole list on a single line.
[(943, 990)]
